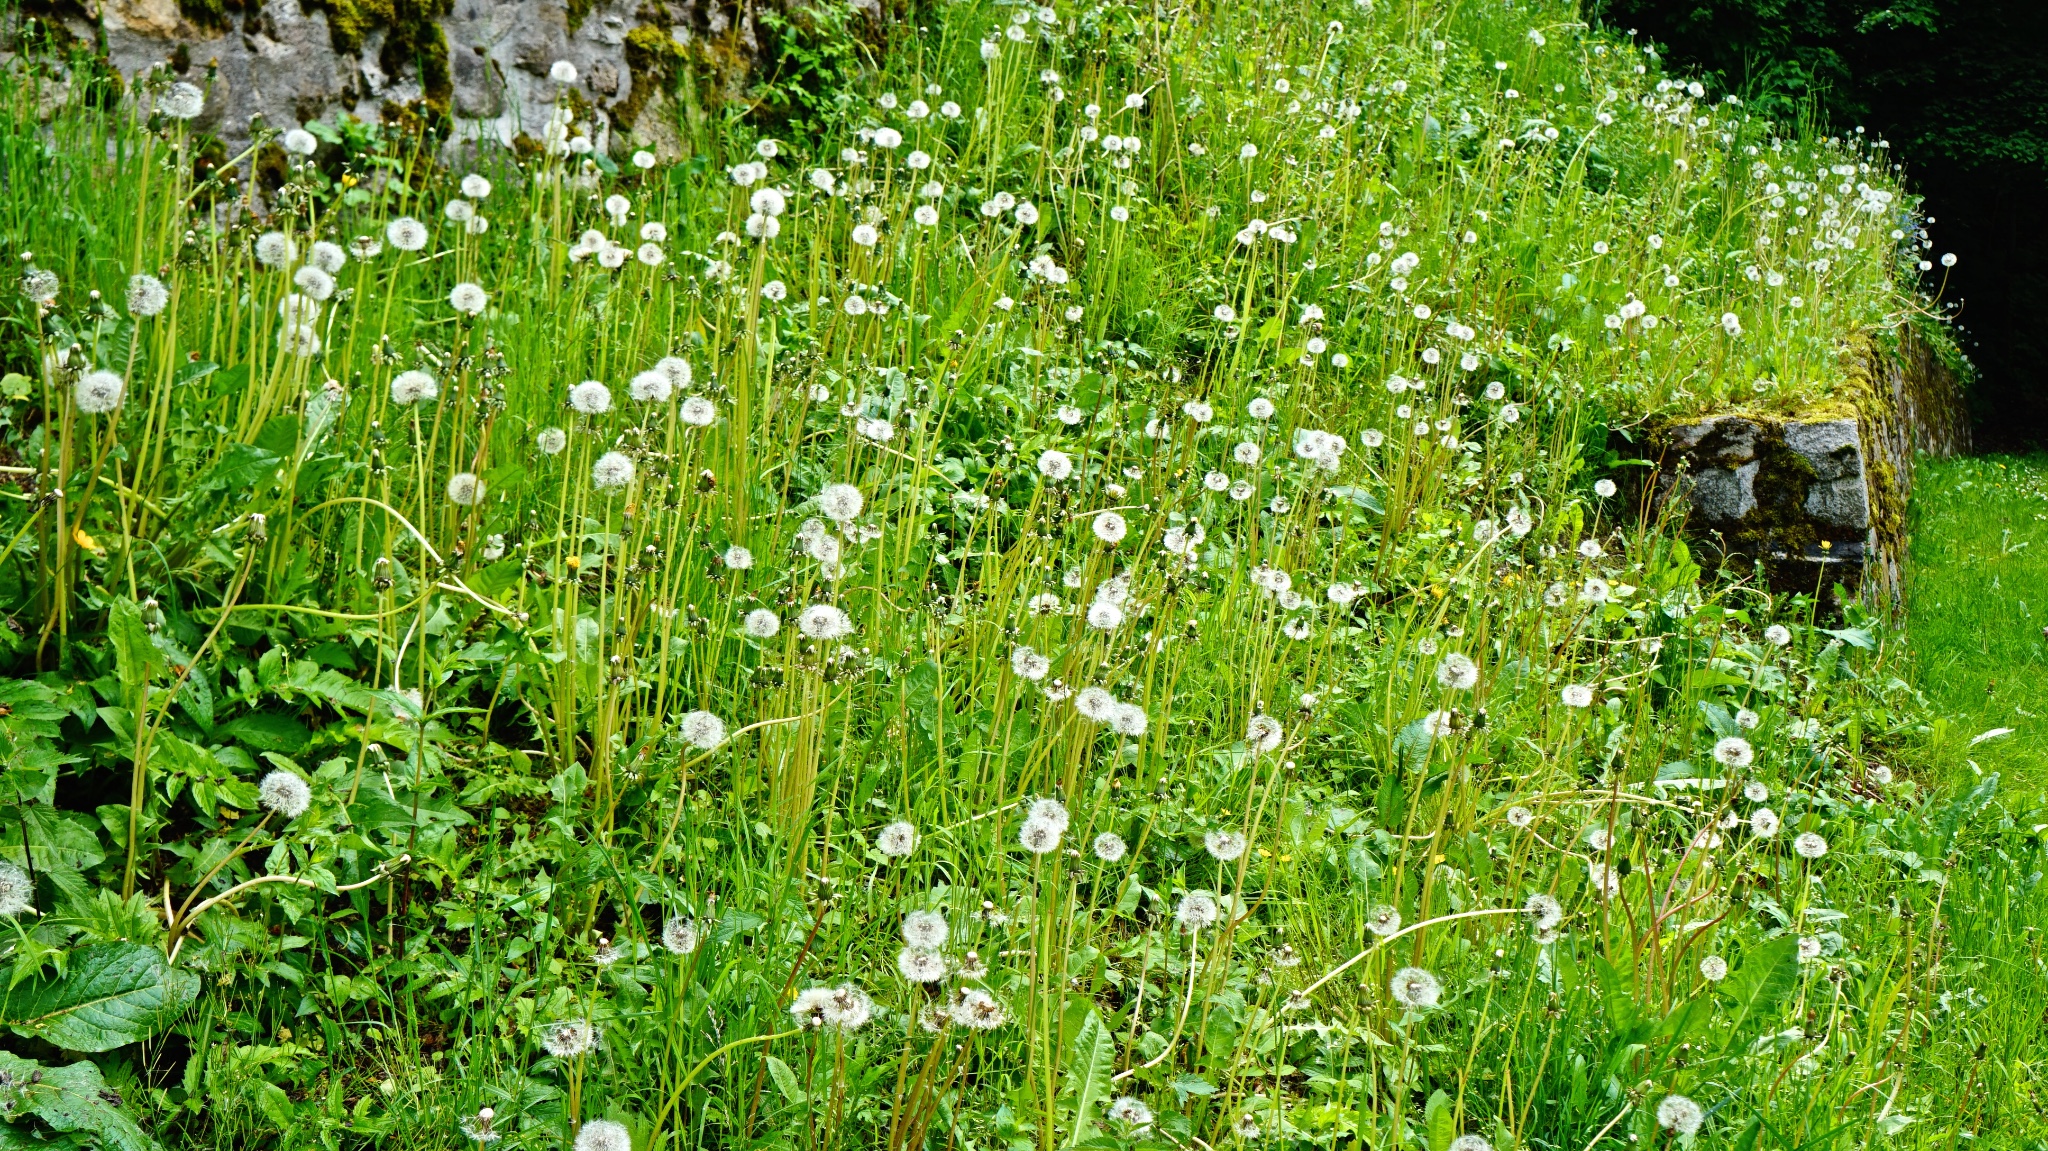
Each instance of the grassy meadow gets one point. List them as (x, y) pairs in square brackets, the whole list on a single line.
[(1084, 605)]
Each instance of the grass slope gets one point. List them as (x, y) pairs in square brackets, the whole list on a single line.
[(1978, 595), (955, 633)]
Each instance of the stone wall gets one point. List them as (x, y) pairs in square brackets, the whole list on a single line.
[(1814, 500), (485, 62)]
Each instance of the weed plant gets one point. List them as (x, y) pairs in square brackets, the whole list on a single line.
[(1075, 610)]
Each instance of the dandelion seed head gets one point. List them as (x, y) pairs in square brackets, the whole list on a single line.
[(147, 295), (925, 929), (1197, 910), (1679, 1115), (284, 793), (612, 470), (897, 840), (1109, 847), (17, 894), (465, 489), (98, 393), (550, 441), (1415, 989), (604, 1135), (679, 935)]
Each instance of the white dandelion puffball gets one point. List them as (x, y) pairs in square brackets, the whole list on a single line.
[(925, 930), (1415, 989), (147, 295), (590, 398), (476, 187), (1051, 811), (698, 412), (650, 387), (181, 101), (406, 234), (1470, 1143), (1109, 847), (897, 840), (603, 1134), (568, 1038), (275, 249), (468, 298), (679, 935), (1544, 911), (1039, 836), (738, 558), (299, 339), (1105, 616), (1764, 823), (465, 489), (563, 72), (1457, 672), (1109, 527), (98, 393), (1129, 1111), (840, 502), (919, 966), (1197, 909), (1603, 488), (284, 793), (1679, 1115), (417, 387), (550, 441), (1095, 703), (1029, 664), (17, 894), (761, 623), (822, 621), (1713, 969), (1055, 465), (677, 370), (1778, 635), (1262, 734), (1224, 846), (1383, 921), (702, 730), (612, 470), (328, 257), (1129, 719), (1576, 695), (1734, 751), (1809, 846), (300, 142), (1755, 791)]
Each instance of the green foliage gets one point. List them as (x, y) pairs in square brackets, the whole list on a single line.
[(108, 995), (1026, 646)]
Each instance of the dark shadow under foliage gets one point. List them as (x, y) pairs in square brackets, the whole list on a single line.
[(1955, 85)]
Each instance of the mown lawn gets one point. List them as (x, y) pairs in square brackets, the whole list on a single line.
[(1977, 597)]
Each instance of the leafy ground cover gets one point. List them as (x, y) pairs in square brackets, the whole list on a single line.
[(1980, 530), (1075, 610)]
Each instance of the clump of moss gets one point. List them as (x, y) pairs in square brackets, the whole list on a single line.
[(411, 36), (654, 60)]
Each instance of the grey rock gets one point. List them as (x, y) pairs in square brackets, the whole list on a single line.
[(1833, 447), (1724, 495), (1842, 503)]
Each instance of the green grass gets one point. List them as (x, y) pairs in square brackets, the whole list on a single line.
[(1977, 594), (389, 739)]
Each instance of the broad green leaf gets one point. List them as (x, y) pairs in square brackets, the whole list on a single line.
[(113, 994), (786, 1081), (69, 1099), (265, 731), (1089, 1066), (1440, 1120), (1766, 976), (136, 659)]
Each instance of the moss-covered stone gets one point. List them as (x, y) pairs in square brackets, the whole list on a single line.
[(654, 60), (412, 36)]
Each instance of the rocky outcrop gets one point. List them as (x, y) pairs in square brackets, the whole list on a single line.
[(486, 64), (1817, 500)]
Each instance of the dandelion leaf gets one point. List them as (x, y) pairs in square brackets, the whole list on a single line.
[(112, 994)]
